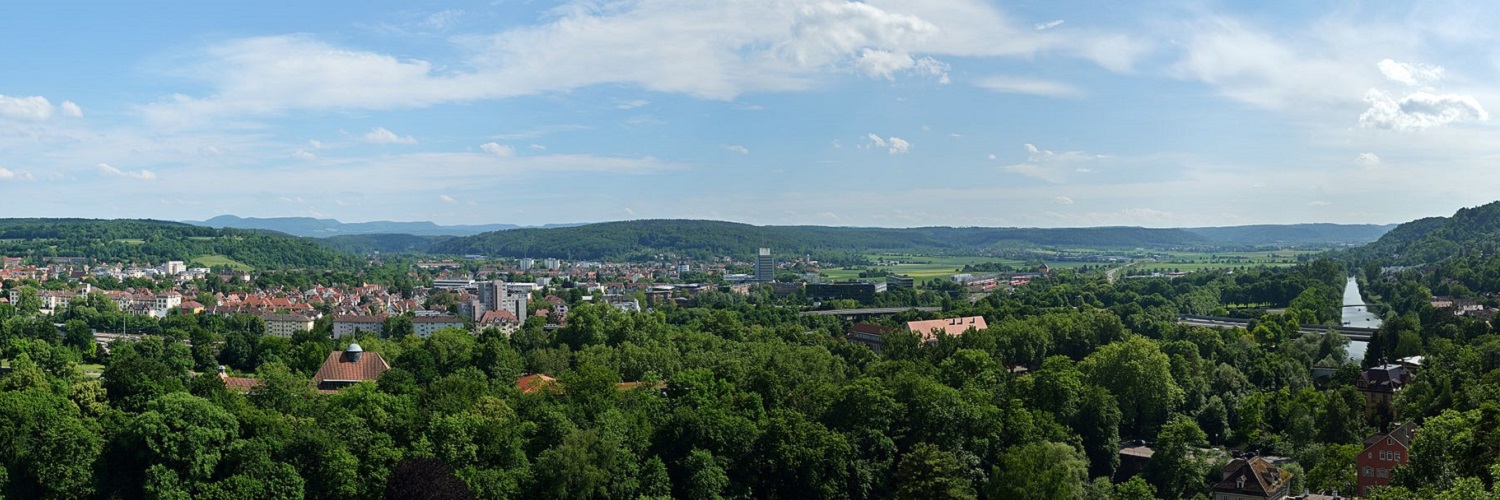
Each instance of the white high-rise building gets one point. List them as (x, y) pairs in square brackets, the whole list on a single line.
[(765, 266)]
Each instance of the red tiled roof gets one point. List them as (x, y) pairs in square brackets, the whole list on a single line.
[(340, 367), (951, 326), (240, 384), (500, 316), (535, 382)]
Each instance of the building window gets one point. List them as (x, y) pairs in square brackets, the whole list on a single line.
[(1380, 472), (1382, 455), (1369, 472), (1396, 455)]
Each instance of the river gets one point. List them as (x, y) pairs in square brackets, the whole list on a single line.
[(1357, 314)]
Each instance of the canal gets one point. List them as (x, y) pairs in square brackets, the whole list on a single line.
[(1357, 314)]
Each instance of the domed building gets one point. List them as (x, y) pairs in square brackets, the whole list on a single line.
[(348, 367)]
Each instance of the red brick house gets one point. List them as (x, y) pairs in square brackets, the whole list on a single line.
[(1382, 453)]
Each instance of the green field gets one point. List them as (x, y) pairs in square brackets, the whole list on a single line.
[(131, 241), (1190, 261), (214, 260), (919, 268)]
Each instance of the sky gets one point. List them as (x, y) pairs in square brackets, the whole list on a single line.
[(829, 112)]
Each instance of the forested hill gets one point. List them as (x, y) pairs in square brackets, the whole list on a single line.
[(1434, 239), (1294, 234), (646, 237), (153, 241)]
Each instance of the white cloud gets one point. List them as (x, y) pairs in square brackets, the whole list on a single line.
[(1367, 159), (443, 20), (1318, 203), (497, 149), (633, 104), (1020, 85), (538, 147), (70, 108), (893, 145), (304, 155), (1063, 200), (738, 149), (1049, 25), (316, 144), (1419, 110), (1050, 166), (382, 136), (25, 108), (447, 199), (713, 50), (1411, 74), (991, 157), (112, 171), (899, 146), (1276, 71), (13, 175)]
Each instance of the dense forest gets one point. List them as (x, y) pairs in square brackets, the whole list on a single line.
[(643, 238), (151, 241)]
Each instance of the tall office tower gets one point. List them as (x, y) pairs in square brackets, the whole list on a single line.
[(765, 266)]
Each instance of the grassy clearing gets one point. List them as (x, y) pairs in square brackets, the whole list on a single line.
[(214, 260), (201, 238), (131, 241)]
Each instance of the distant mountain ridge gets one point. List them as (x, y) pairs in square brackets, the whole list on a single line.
[(323, 228), (1294, 234)]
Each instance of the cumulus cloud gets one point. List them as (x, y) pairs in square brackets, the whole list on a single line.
[(70, 108), (1367, 160), (1049, 25), (1018, 85), (633, 104), (713, 50), (1419, 110), (112, 171), (13, 175), (382, 136), (1051, 166), (497, 149), (538, 147), (1063, 200), (738, 149), (893, 145), (25, 108), (1410, 74), (447, 199), (304, 155), (887, 64)]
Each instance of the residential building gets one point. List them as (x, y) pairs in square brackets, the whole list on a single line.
[(344, 326), (899, 282), (425, 326), (174, 267), (1382, 453), (869, 334), (1252, 478), (286, 325), (1379, 386), (765, 266), (552, 264), (954, 327), (525, 264), (502, 319), (348, 367)]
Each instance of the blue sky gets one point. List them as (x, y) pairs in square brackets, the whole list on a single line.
[(877, 113)]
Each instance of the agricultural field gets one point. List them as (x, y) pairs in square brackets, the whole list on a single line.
[(214, 260), (919, 268), (1191, 261)]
